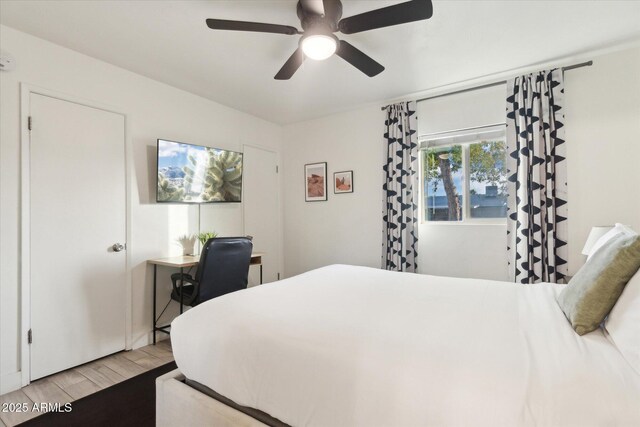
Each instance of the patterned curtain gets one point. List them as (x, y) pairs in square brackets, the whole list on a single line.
[(399, 216), (537, 184)]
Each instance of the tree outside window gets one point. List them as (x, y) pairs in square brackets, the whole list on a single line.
[(465, 181)]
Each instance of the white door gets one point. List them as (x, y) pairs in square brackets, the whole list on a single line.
[(77, 195), (261, 207)]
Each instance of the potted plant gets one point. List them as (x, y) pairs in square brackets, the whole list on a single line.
[(206, 235), (188, 242)]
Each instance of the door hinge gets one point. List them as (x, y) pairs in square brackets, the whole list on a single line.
[(29, 123), (29, 337), (276, 169), (278, 276)]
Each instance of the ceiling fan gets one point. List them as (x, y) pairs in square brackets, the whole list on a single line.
[(320, 19)]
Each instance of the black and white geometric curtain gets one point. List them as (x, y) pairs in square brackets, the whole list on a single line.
[(400, 211), (537, 183)]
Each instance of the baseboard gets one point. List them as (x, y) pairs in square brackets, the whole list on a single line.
[(147, 339), (10, 382)]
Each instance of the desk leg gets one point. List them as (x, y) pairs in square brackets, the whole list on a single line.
[(181, 288), (155, 273), (261, 274)]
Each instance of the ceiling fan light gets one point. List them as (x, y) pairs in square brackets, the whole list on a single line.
[(319, 46)]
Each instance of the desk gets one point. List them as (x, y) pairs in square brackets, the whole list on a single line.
[(183, 262)]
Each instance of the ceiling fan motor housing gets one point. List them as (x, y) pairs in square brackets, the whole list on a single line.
[(320, 24)]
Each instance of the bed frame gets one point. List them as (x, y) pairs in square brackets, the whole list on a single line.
[(178, 404)]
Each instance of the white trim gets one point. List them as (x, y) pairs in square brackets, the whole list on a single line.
[(466, 180), (474, 130), (128, 172), (10, 382), (280, 205), (25, 220), (473, 223), (25, 217), (421, 198)]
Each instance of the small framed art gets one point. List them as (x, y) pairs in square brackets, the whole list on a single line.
[(343, 182), (315, 177)]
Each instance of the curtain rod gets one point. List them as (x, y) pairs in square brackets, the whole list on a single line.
[(567, 68)]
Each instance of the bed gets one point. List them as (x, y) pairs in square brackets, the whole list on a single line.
[(357, 346)]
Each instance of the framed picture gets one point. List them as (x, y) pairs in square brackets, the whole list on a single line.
[(315, 178), (343, 182)]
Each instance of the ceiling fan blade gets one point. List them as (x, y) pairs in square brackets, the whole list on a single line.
[(358, 59), (313, 6), (223, 24), (291, 66), (414, 10)]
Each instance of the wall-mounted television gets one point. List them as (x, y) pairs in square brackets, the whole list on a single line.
[(190, 173)]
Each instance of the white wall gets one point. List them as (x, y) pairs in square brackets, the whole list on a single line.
[(603, 134), (464, 249), (603, 146), (475, 108), (348, 227), (154, 110)]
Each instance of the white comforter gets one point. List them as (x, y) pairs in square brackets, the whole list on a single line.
[(356, 346)]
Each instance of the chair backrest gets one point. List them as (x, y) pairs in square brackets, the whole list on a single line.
[(224, 267)]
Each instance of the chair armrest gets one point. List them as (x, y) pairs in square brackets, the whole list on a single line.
[(177, 276), (186, 278)]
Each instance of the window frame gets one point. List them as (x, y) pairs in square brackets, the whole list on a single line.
[(423, 142)]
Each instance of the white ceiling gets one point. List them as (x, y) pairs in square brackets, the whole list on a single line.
[(169, 41)]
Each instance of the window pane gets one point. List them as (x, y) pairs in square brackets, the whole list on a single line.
[(488, 179), (443, 176)]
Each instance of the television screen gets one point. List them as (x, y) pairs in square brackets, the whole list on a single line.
[(195, 174)]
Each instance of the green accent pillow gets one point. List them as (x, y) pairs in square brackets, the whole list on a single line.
[(594, 290)]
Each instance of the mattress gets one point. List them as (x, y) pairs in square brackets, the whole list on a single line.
[(357, 346)]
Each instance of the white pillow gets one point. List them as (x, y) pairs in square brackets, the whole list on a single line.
[(617, 229), (623, 323)]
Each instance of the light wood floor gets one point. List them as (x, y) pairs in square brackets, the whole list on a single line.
[(84, 380)]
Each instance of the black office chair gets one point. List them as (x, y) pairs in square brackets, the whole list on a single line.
[(223, 268)]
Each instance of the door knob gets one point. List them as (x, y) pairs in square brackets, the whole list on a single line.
[(117, 247)]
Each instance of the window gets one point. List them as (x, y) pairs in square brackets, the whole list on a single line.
[(443, 183), (464, 176)]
